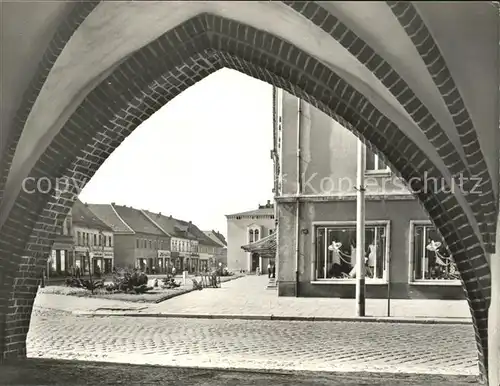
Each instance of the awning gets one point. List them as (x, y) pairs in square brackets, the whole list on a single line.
[(265, 246)]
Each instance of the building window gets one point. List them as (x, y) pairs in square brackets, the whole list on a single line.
[(430, 257), (79, 237), (250, 236), (256, 235), (374, 163), (336, 251), (95, 240), (270, 231), (137, 243), (150, 244), (110, 241)]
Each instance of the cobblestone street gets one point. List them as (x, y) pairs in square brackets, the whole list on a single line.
[(270, 345)]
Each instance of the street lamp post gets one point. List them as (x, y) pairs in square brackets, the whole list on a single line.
[(90, 271), (103, 241), (360, 230)]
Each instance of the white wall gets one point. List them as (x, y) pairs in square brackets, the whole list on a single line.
[(237, 236)]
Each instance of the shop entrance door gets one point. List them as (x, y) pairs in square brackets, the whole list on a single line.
[(255, 262)]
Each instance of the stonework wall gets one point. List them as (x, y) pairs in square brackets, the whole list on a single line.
[(145, 80)]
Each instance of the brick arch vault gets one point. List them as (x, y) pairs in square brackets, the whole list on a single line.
[(416, 135)]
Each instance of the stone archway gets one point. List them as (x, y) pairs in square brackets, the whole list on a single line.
[(112, 104)]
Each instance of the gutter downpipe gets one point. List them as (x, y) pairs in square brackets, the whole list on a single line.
[(299, 191)]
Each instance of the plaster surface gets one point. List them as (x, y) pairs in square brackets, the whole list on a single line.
[(26, 30), (114, 30), (365, 18), (469, 39)]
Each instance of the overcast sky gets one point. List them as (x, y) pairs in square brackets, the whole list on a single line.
[(202, 156)]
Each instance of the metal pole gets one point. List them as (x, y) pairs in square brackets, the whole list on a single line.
[(299, 192), (388, 284), (90, 273), (360, 230), (103, 264)]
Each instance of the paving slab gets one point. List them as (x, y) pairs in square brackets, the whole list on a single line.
[(248, 298)]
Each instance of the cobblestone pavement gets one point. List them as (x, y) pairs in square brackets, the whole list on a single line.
[(270, 345)]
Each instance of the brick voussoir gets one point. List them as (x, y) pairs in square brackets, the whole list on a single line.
[(55, 47), (256, 60), (386, 73)]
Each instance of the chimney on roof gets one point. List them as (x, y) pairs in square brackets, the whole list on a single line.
[(86, 204), (159, 214), (268, 203), (113, 203), (170, 216)]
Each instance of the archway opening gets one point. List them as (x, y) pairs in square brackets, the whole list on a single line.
[(122, 100)]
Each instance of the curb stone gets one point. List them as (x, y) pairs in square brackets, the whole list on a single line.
[(366, 319)]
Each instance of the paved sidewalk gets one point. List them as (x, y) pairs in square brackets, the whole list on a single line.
[(248, 298), (82, 304)]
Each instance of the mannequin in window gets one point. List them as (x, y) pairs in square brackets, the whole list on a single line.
[(372, 258), (352, 274), (336, 268)]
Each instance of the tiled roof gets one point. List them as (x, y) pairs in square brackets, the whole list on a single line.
[(136, 220), (167, 223), (264, 246), (84, 216), (180, 228), (200, 236), (107, 214), (217, 237), (255, 212), (221, 237)]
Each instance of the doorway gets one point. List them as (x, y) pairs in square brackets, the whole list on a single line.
[(254, 262)]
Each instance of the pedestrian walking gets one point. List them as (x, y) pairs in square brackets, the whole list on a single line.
[(173, 271), (274, 271), (269, 270), (77, 273)]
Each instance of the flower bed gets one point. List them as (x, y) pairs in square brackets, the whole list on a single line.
[(156, 295)]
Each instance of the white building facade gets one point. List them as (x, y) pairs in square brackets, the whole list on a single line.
[(245, 228)]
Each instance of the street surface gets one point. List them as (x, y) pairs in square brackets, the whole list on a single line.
[(269, 345), (50, 372)]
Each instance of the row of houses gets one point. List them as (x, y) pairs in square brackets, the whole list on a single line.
[(101, 237), (314, 214)]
